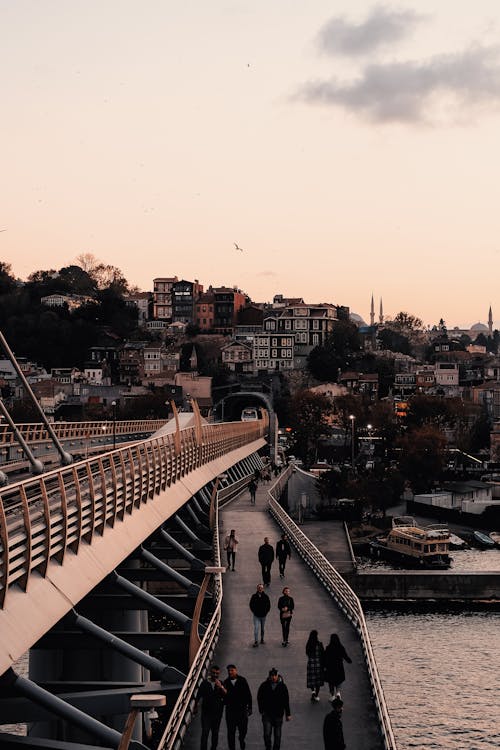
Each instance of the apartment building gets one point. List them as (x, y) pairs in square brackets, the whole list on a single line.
[(162, 297)]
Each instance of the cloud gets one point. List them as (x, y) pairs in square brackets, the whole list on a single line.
[(383, 26), (412, 91)]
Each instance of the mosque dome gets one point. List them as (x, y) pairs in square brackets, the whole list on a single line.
[(355, 318), (479, 327)]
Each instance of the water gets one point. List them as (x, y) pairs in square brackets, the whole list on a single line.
[(463, 560), (440, 674)]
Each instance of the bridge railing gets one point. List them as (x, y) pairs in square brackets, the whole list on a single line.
[(44, 517), (36, 431), (182, 713), (343, 595)]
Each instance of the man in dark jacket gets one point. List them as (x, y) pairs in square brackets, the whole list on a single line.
[(212, 695), (238, 707), (266, 557), (274, 702), (283, 551), (260, 606), (333, 734)]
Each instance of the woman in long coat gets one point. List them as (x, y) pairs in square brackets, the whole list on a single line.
[(315, 665), (335, 656)]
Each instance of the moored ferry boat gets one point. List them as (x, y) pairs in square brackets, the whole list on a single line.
[(408, 543)]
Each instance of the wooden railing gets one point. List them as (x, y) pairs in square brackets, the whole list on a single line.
[(42, 518)]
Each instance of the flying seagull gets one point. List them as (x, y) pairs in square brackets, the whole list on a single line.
[(238, 247)]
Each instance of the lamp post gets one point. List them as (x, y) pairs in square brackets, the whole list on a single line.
[(353, 419), (113, 404), (370, 446)]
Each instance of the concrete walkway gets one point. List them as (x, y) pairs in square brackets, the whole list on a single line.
[(314, 608)]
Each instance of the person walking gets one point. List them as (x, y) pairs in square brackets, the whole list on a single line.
[(335, 656), (238, 707), (274, 703), (333, 734), (283, 552), (266, 557), (252, 488), (231, 545), (212, 695), (315, 661), (286, 606), (259, 606)]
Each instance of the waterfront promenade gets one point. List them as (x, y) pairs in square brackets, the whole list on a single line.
[(314, 608)]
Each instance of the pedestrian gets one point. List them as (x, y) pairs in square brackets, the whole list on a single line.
[(274, 703), (231, 545), (252, 487), (286, 606), (283, 551), (238, 706), (256, 475), (333, 735), (212, 695), (335, 656), (260, 606), (266, 557), (315, 664)]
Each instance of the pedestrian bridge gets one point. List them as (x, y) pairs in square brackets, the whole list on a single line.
[(110, 577)]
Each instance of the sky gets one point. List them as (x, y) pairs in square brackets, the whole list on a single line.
[(348, 148)]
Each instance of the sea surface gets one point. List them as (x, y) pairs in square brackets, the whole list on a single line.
[(462, 560), (440, 674)]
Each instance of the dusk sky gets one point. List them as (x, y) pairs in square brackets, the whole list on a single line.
[(347, 147)]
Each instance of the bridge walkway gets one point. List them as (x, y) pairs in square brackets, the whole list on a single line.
[(314, 608)]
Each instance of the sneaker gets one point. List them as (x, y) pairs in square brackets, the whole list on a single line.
[(262, 640), (256, 643), (283, 643), (315, 698), (331, 697)]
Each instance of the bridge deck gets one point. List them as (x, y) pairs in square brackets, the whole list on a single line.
[(314, 609)]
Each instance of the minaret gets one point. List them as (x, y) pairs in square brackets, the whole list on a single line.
[(381, 314), (372, 313), (490, 321)]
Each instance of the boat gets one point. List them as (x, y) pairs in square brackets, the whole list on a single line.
[(456, 542), (495, 537), (483, 540), (408, 543)]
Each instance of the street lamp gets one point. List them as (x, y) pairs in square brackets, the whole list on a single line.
[(113, 404), (369, 427), (353, 419)]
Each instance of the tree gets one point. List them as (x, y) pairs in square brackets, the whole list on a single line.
[(309, 420), (422, 456), (7, 281), (393, 340), (325, 361), (406, 321)]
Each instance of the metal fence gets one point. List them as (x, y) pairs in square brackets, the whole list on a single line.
[(343, 595), (42, 518), (36, 431)]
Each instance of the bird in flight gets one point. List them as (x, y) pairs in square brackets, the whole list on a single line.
[(238, 247)]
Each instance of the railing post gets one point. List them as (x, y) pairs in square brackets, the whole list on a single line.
[(177, 433)]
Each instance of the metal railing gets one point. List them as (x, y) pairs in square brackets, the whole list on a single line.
[(183, 710), (44, 517), (343, 595), (37, 432)]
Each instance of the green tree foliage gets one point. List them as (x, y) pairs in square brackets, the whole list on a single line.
[(406, 322), (7, 281), (324, 362), (393, 340), (422, 456), (309, 421)]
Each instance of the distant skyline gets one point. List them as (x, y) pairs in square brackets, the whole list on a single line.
[(348, 149)]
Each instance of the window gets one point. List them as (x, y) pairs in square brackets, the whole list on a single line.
[(316, 325), (315, 339), (288, 324)]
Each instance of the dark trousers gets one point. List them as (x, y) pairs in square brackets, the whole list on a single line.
[(285, 628), (231, 557), (282, 563), (236, 720), (270, 724), (210, 723), (266, 573)]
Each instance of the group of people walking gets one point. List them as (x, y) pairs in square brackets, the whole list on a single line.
[(234, 695), (260, 605)]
